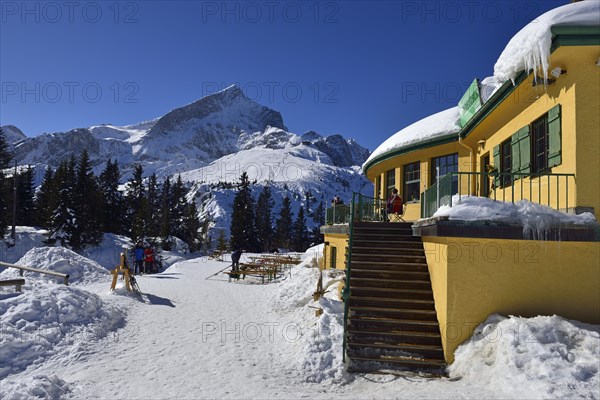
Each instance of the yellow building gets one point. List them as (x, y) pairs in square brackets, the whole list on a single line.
[(535, 138)]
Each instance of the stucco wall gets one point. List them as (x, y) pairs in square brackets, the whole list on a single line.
[(340, 242), (473, 278)]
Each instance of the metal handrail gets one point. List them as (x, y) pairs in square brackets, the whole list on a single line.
[(363, 208), (346, 290), (496, 179), (40, 271)]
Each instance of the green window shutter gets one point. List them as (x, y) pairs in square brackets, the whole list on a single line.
[(514, 156), (554, 137), (525, 150), (497, 165)]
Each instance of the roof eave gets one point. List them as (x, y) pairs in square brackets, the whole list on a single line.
[(449, 138)]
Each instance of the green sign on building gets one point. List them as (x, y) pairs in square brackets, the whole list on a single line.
[(469, 103)]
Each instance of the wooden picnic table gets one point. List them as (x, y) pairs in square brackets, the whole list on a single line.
[(255, 269)]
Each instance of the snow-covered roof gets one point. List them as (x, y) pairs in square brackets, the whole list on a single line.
[(444, 123), (530, 47)]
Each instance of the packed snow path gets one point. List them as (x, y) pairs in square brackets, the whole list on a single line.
[(188, 337)]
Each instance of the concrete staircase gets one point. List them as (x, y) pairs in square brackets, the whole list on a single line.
[(392, 323)]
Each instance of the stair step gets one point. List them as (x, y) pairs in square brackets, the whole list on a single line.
[(388, 256), (395, 309), (435, 352), (391, 293), (395, 313), (382, 236), (364, 301), (391, 337), (383, 226), (411, 363), (378, 250), (389, 274), (359, 241), (393, 324), (390, 283), (393, 264)]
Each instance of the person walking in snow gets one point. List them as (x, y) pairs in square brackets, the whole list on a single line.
[(138, 254), (149, 259), (235, 262)]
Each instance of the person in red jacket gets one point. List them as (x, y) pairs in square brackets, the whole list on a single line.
[(148, 259), (394, 203)]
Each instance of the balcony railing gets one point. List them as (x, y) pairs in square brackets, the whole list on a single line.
[(338, 214), (365, 209), (548, 189)]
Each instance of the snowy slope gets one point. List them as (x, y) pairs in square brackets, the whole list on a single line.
[(193, 334), (292, 171)]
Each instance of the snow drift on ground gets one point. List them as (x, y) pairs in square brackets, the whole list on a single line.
[(529, 49), (50, 320), (532, 216), (81, 270), (319, 347), (541, 357), (444, 123), (38, 386)]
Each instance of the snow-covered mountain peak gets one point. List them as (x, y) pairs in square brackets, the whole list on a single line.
[(230, 106), (310, 136)]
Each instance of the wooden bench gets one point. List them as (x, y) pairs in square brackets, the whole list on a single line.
[(17, 283)]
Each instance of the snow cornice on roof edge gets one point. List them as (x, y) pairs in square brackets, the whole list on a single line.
[(431, 130)]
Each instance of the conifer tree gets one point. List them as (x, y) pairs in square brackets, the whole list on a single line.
[(165, 215), (319, 219), (264, 220), (5, 159), (283, 226), (178, 206), (299, 234), (191, 227), (46, 200), (137, 206), (62, 225), (154, 203), (112, 198), (5, 155), (221, 244), (243, 228), (88, 214), (25, 192)]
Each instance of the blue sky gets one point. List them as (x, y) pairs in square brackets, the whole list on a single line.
[(364, 69)]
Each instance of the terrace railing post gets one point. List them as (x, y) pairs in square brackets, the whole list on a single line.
[(567, 192), (549, 190), (437, 172), (512, 188)]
